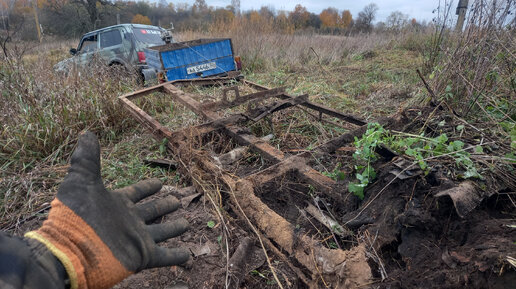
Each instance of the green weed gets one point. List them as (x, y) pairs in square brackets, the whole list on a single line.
[(417, 147), (336, 174), (365, 156)]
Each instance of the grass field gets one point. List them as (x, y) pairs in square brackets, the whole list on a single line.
[(42, 113)]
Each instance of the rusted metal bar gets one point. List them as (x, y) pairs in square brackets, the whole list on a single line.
[(205, 128), (262, 147), (188, 100), (311, 105), (282, 105), (196, 81), (143, 92), (157, 130), (321, 119), (232, 76), (276, 92)]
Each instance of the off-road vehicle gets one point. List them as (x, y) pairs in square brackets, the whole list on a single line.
[(120, 46)]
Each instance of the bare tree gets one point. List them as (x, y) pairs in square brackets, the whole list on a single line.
[(6, 8), (236, 6), (396, 21), (162, 3), (11, 24), (365, 18)]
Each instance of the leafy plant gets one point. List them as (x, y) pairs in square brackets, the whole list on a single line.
[(333, 245), (336, 174), (258, 273), (448, 94), (163, 146), (418, 147), (421, 148), (210, 224), (364, 152)]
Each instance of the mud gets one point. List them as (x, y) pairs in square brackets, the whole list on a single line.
[(426, 244), (420, 238)]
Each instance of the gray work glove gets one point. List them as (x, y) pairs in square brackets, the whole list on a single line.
[(102, 236)]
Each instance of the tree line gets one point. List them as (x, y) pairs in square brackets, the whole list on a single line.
[(72, 18)]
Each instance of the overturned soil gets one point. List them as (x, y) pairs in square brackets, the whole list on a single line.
[(206, 240), (415, 235), (419, 239)]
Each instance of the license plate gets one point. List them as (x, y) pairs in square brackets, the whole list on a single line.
[(201, 67)]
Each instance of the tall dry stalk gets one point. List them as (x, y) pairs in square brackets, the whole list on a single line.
[(477, 70)]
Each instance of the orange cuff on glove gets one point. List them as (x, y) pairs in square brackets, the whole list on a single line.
[(87, 259)]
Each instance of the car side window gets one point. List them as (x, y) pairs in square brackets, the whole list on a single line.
[(88, 44), (110, 38)]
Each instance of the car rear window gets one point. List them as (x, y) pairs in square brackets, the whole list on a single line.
[(152, 36)]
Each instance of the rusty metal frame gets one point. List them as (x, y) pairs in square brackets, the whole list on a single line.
[(328, 263)]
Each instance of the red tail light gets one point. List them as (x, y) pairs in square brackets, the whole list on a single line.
[(238, 62), (141, 56)]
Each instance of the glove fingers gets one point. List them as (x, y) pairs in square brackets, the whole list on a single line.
[(157, 208), (85, 161), (169, 257), (165, 231), (140, 190)]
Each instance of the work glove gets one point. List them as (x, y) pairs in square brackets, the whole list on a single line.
[(103, 236)]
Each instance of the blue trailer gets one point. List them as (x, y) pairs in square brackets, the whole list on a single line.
[(192, 59)]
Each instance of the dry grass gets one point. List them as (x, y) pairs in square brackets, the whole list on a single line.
[(269, 51), (41, 115), (475, 72), (41, 111)]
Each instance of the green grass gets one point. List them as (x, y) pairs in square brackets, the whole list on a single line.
[(123, 162), (347, 84)]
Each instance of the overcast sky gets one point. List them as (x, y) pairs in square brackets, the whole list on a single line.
[(419, 9)]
